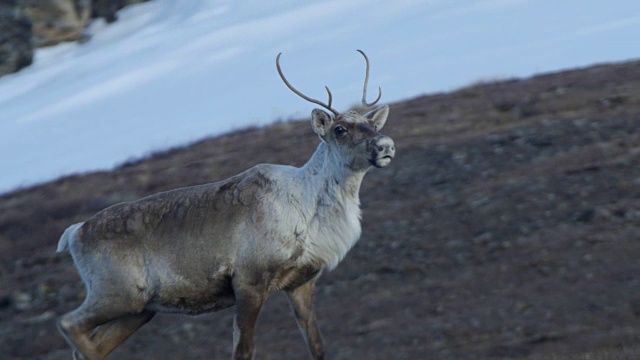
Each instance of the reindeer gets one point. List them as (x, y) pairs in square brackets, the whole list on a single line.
[(234, 242)]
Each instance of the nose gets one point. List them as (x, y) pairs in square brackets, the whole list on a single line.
[(385, 147)]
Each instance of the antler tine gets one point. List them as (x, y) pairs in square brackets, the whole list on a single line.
[(297, 92), (366, 82), (330, 99)]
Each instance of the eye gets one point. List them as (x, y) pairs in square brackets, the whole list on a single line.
[(340, 130)]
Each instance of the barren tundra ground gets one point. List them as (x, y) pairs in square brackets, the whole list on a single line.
[(508, 226)]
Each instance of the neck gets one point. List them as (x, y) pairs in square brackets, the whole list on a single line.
[(334, 218), (328, 170)]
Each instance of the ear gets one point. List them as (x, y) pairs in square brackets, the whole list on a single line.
[(378, 117), (320, 121)]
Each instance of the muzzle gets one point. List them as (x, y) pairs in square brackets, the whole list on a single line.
[(383, 151)]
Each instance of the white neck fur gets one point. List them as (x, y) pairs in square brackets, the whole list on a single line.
[(332, 190)]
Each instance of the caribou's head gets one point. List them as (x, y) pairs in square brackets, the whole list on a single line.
[(353, 136)]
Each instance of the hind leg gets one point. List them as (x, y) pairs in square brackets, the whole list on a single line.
[(108, 336), (78, 325), (75, 330)]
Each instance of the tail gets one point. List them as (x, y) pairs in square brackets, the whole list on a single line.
[(67, 236)]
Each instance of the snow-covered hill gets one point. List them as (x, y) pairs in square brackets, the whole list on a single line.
[(172, 71)]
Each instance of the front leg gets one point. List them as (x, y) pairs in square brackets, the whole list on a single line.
[(248, 304), (301, 299)]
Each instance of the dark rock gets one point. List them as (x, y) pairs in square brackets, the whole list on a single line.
[(107, 8), (5, 302), (16, 49), (584, 216)]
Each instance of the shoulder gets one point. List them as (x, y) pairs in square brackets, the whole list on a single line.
[(270, 175)]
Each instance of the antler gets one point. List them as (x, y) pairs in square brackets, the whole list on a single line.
[(326, 106), (366, 81)]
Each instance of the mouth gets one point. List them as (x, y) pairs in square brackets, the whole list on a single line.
[(382, 161)]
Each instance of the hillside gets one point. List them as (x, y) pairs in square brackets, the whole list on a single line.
[(508, 226)]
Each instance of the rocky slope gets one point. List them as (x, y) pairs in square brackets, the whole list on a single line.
[(508, 226), (29, 24)]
